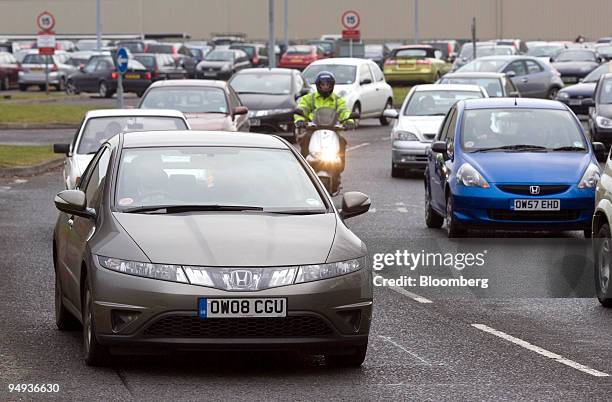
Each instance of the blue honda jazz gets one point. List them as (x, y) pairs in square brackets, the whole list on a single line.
[(511, 163)]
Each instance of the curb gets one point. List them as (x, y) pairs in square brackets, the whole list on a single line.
[(34, 126), (32, 170)]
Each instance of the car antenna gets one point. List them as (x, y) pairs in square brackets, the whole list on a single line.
[(515, 101)]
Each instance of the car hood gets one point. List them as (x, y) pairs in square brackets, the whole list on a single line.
[(209, 121), (420, 124), (584, 89), (232, 239), (266, 101), (574, 66), (604, 110), (530, 167)]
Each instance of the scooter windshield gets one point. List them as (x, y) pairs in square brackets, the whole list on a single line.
[(325, 117)]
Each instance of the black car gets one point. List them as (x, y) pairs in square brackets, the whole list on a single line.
[(579, 97), (161, 66), (271, 96), (496, 84), (378, 53), (258, 53), (600, 116), (180, 53), (100, 76), (221, 64), (575, 64)]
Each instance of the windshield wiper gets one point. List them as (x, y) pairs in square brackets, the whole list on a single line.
[(569, 148), (175, 209), (296, 211), (434, 114), (518, 147)]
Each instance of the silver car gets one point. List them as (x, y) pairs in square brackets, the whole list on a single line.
[(32, 71), (210, 240), (100, 125), (419, 119)]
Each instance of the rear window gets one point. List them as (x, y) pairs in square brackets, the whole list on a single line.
[(159, 48), (36, 59), (187, 99), (250, 50), (407, 53), (491, 85), (147, 61), (436, 103)]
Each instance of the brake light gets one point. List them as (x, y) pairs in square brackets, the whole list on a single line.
[(255, 60), (426, 62), (147, 75), (114, 75), (390, 62), (450, 48)]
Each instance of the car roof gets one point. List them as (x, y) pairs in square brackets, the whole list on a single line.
[(133, 112), (507, 57), (153, 139), (414, 47), (524, 103), (268, 70), (349, 61), (447, 87), (473, 74), (189, 83)]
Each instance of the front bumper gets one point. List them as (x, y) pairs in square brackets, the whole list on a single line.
[(39, 78), (331, 312), (207, 74), (602, 135), (281, 123), (492, 208), (409, 154), (577, 105)]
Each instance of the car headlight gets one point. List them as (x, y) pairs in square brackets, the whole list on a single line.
[(309, 273), (270, 112), (590, 177), (225, 67), (470, 177), (404, 136), (603, 122), (563, 95), (165, 272)]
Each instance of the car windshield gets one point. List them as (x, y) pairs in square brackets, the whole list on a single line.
[(607, 50), (544, 51), (436, 103), (160, 48), (484, 51), (605, 96), (37, 59), (343, 73), (147, 61), (410, 53), (484, 66), (271, 179), (521, 129), (491, 85), (99, 129), (133, 47), (186, 99), (271, 84), (594, 75), (220, 55), (576, 55)]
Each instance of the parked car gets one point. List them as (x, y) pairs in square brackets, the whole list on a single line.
[(518, 44), (300, 56), (360, 82), (207, 104), (419, 120), (415, 63), (483, 49), (579, 97), (98, 126), (575, 64), (602, 238), (80, 58), (100, 76), (161, 66), (545, 51), (378, 53), (179, 52), (328, 46), (605, 51), (199, 51), (221, 64), (258, 53), (92, 44), (533, 78), (449, 48), (230, 205), (271, 95), (136, 45), (496, 84), (32, 71), (600, 114), (9, 71), (511, 163)]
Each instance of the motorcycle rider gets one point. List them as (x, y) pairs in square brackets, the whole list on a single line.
[(323, 98)]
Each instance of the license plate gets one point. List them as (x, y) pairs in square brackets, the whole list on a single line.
[(569, 79), (132, 76), (210, 74), (255, 122), (537, 205), (242, 308), (575, 102)]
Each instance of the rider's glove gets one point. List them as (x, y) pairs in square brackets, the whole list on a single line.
[(349, 125), (300, 124)]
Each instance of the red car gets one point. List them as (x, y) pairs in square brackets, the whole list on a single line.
[(9, 71), (300, 56)]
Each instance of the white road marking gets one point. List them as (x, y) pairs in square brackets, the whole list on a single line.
[(402, 210), (365, 144), (413, 296), (5, 188), (20, 181), (400, 203), (391, 341), (541, 351)]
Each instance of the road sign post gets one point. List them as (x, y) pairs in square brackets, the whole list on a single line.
[(46, 41), (350, 21), (121, 62)]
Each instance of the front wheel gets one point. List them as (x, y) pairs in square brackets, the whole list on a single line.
[(396, 172), (5, 84), (23, 87), (71, 89), (357, 110), (383, 120), (432, 218), (94, 353), (453, 227), (103, 90), (602, 266), (552, 93), (64, 320)]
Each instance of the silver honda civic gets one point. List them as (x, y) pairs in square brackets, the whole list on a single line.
[(209, 241)]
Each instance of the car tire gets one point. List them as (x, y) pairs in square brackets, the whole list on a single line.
[(23, 87), (603, 266), (103, 90), (453, 227), (64, 320), (396, 172), (71, 89), (356, 109), (552, 93), (94, 353), (6, 85), (432, 218), (43, 87), (354, 359), (62, 85), (383, 120)]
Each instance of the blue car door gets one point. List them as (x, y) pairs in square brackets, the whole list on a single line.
[(439, 163)]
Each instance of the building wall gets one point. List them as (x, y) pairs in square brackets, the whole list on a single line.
[(381, 19)]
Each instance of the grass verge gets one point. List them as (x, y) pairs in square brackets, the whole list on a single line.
[(25, 155), (43, 113), (399, 93)]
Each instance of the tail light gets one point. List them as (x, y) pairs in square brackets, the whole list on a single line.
[(425, 62), (390, 62), (450, 48), (114, 75), (148, 75), (255, 60)]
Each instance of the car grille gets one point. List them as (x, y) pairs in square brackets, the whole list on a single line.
[(524, 190), (194, 327), (527, 216)]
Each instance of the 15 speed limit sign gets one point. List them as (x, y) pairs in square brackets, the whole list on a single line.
[(350, 19), (45, 21)]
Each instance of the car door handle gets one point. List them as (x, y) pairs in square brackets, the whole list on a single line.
[(524, 80)]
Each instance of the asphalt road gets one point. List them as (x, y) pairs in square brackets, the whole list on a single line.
[(535, 332)]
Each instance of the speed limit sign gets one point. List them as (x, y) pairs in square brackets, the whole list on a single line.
[(350, 19), (45, 21)]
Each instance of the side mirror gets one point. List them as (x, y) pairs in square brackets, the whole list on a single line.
[(511, 74), (365, 82), (354, 203), (239, 110), (391, 113), (439, 147), (61, 148), (74, 202), (600, 151)]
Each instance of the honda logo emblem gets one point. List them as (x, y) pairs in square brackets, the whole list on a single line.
[(534, 190), (242, 278)]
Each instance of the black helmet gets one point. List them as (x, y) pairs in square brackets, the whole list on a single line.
[(327, 77)]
